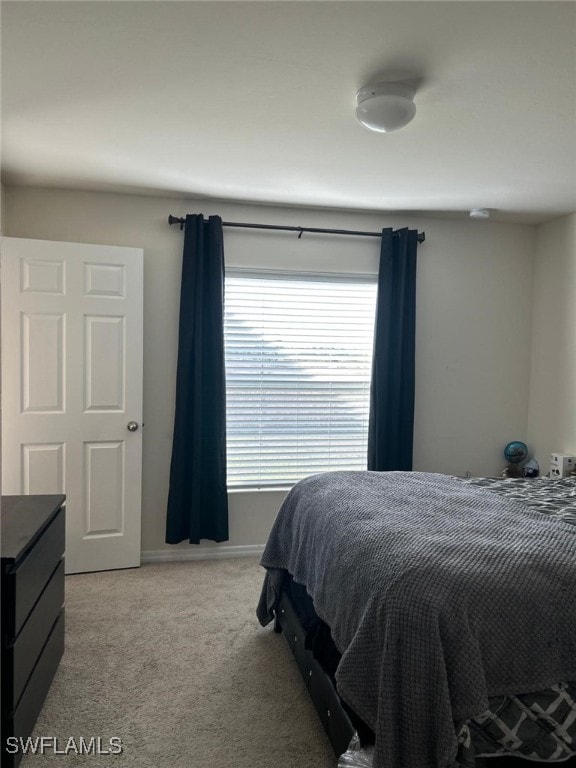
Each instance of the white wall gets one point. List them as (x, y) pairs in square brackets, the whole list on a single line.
[(552, 409), (1, 206), (473, 321)]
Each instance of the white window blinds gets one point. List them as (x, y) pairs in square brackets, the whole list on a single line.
[(298, 366)]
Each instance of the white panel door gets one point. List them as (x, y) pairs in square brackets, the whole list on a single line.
[(72, 390)]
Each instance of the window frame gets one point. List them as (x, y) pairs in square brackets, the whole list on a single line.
[(280, 274)]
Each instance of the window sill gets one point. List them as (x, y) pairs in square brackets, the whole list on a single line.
[(262, 489)]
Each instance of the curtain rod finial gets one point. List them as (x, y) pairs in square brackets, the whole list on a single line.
[(176, 220)]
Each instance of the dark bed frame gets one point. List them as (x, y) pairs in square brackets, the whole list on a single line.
[(329, 706)]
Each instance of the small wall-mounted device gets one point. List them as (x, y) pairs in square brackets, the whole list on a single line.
[(561, 464)]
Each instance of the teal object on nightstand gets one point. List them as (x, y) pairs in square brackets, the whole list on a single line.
[(516, 452)]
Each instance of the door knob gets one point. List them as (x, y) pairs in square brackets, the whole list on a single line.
[(132, 426)]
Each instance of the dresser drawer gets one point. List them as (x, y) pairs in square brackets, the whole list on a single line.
[(30, 704), (22, 656), (30, 575), (32, 588)]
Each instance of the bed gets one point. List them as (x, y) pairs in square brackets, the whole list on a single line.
[(443, 609)]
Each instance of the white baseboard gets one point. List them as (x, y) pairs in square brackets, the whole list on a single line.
[(201, 553)]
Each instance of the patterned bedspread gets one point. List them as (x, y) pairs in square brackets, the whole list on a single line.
[(541, 725), (551, 497)]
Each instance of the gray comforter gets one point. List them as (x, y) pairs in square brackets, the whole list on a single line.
[(438, 594)]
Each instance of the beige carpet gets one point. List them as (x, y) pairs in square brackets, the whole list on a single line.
[(171, 659)]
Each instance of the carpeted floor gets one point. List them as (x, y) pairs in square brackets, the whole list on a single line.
[(171, 659)]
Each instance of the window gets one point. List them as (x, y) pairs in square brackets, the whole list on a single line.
[(298, 366)]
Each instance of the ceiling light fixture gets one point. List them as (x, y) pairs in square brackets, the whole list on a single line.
[(385, 107), (480, 213)]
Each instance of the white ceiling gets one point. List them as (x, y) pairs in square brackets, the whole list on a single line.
[(255, 101)]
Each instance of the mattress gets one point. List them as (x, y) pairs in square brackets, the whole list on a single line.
[(537, 725)]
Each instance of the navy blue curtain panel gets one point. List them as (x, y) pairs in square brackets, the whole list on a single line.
[(391, 422), (198, 499)]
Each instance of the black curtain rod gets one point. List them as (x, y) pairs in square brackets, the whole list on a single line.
[(300, 230)]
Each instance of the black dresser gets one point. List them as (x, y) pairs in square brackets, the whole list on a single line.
[(32, 549)]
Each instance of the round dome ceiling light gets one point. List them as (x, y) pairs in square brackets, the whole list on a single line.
[(385, 107)]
